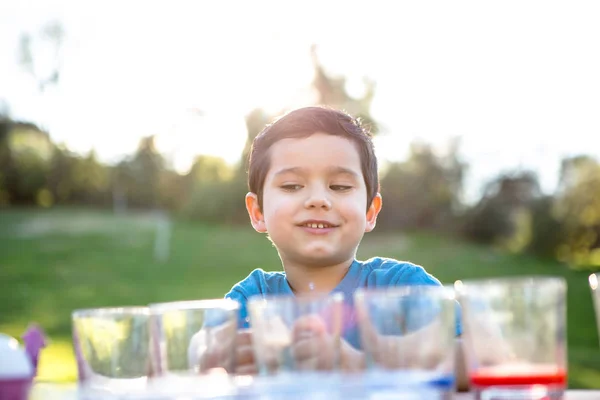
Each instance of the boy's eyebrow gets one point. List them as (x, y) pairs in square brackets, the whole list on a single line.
[(293, 170), (332, 170), (342, 170)]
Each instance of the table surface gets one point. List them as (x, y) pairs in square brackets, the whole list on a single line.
[(52, 391)]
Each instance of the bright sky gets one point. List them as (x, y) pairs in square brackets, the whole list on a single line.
[(518, 81)]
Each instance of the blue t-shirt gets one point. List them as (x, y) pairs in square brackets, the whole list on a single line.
[(377, 272)]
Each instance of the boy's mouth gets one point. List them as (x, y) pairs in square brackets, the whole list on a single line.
[(317, 224)]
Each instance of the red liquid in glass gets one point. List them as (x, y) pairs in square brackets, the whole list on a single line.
[(519, 375)]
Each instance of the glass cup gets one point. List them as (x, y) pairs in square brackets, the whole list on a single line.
[(193, 346), (408, 335), (296, 334), (112, 348), (594, 281), (514, 337)]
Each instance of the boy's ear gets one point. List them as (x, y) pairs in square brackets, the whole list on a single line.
[(256, 216), (373, 212)]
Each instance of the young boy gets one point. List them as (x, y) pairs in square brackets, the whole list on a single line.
[(314, 189)]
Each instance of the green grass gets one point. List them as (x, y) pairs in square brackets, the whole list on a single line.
[(52, 262)]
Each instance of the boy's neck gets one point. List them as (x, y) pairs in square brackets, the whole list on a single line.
[(305, 279)]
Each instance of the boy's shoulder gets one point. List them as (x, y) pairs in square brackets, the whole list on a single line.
[(382, 271), (259, 281)]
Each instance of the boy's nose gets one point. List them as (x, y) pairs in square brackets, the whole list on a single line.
[(318, 199)]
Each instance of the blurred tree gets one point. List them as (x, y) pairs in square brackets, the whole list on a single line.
[(25, 154), (502, 216), (256, 120), (174, 192), (233, 191), (212, 199), (139, 177), (424, 191), (5, 158), (547, 230), (209, 169), (46, 72), (331, 91), (577, 207), (81, 180)]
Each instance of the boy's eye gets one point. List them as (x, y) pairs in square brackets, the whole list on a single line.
[(291, 187), (338, 188)]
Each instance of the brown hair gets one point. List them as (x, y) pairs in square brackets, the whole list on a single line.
[(301, 123)]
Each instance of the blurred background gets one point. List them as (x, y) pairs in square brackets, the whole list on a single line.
[(124, 129)]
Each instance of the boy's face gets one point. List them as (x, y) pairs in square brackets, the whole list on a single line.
[(314, 200)]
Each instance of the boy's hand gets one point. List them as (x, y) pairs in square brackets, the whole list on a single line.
[(213, 347), (421, 348), (245, 364), (352, 360), (313, 348)]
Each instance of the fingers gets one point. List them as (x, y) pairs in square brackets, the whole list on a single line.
[(244, 355), (246, 369), (244, 337), (213, 347), (309, 325), (309, 345), (308, 355), (224, 331), (351, 360), (218, 357), (315, 351), (370, 338), (245, 360), (307, 348)]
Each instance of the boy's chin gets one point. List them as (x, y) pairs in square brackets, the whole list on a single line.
[(323, 259)]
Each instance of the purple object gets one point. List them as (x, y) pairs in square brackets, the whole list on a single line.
[(15, 389), (18, 366), (35, 340)]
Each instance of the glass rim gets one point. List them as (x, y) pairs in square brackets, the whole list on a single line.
[(279, 298), (204, 304), (436, 291), (105, 311)]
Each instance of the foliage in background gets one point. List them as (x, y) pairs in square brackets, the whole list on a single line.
[(422, 192)]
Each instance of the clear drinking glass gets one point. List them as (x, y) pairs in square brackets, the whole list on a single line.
[(193, 337), (193, 347), (112, 348), (408, 334), (296, 334), (515, 336)]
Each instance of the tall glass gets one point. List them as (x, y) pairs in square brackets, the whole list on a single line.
[(515, 336), (296, 334), (408, 334), (594, 280), (112, 348)]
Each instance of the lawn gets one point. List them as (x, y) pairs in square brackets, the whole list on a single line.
[(52, 262)]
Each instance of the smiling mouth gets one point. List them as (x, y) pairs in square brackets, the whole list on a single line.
[(318, 225)]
